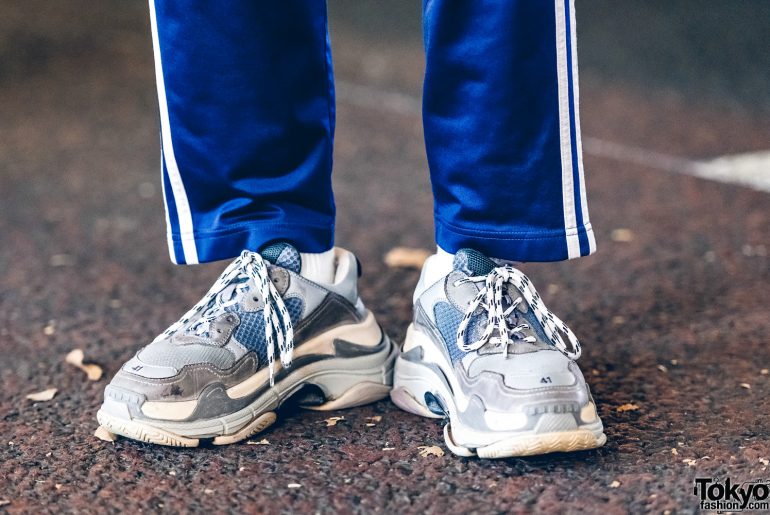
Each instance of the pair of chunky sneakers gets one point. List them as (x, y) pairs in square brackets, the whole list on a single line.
[(482, 352)]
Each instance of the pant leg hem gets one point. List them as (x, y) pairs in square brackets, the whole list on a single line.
[(541, 246), (229, 243)]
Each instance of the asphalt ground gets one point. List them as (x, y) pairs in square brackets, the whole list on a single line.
[(672, 310)]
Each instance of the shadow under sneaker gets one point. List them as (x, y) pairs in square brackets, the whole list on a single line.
[(485, 353), (212, 375)]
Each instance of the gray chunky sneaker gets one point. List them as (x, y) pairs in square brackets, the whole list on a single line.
[(212, 375), (485, 353)]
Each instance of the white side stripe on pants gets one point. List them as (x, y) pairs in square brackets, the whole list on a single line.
[(165, 205), (578, 136), (175, 179), (568, 186)]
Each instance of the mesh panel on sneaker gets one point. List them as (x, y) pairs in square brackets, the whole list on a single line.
[(283, 255), (448, 320), (289, 259), (251, 330), (472, 262)]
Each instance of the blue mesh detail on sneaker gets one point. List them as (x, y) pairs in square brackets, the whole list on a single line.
[(472, 262), (448, 319), (251, 330), (289, 259), (476, 328), (295, 306), (283, 255)]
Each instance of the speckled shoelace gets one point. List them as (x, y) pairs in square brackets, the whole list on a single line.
[(278, 326), (490, 299)]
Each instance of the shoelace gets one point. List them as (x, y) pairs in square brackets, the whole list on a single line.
[(490, 298), (278, 326)]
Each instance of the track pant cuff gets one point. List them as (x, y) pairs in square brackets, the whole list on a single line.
[(229, 243), (554, 245)]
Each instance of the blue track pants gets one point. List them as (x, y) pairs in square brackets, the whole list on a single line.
[(246, 95)]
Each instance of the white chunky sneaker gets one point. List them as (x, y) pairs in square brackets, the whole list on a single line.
[(485, 353), (213, 374)]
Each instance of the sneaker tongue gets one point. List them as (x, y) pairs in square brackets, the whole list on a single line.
[(472, 262), (283, 255)]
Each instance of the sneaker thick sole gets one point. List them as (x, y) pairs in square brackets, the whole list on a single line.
[(344, 382), (416, 385)]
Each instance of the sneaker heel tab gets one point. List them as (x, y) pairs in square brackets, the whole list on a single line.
[(346, 275)]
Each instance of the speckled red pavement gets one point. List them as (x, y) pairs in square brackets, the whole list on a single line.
[(674, 321)]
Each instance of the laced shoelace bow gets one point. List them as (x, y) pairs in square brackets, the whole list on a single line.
[(278, 325), (490, 299)]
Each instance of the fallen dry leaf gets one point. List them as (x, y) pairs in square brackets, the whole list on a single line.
[(102, 433), (50, 328), (45, 395), (663, 368), (75, 357), (627, 407), (622, 235), (208, 491), (430, 450), (4, 502), (294, 485), (674, 451), (689, 461), (764, 461), (332, 421), (388, 448), (261, 442), (405, 257), (375, 418), (745, 386), (61, 260), (764, 371), (615, 484)]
